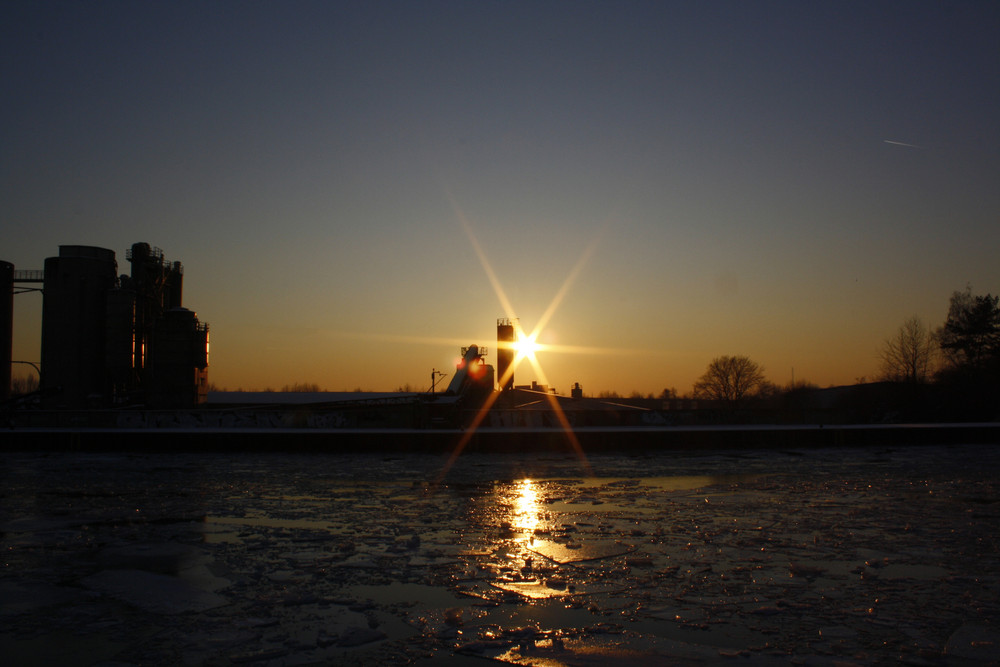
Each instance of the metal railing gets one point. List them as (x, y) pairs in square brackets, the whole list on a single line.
[(154, 253), (29, 276)]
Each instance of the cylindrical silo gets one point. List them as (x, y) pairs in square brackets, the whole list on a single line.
[(74, 317), (118, 341), (178, 359), (6, 326)]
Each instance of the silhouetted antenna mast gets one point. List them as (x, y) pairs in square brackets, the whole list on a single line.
[(435, 374)]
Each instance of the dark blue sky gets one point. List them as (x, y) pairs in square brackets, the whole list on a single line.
[(785, 180)]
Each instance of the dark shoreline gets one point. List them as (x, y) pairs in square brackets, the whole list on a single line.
[(490, 440)]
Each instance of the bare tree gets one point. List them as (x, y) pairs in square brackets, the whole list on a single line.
[(910, 354), (730, 380)]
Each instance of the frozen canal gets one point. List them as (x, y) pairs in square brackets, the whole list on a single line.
[(813, 557)]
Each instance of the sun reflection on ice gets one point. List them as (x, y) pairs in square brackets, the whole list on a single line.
[(518, 509), (527, 510)]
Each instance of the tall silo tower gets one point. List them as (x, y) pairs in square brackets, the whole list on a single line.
[(6, 326), (118, 343), (506, 336), (158, 287), (74, 314)]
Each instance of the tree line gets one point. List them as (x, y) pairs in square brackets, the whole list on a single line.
[(964, 350), (949, 372)]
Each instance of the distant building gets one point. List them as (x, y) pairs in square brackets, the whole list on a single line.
[(534, 386), (110, 340)]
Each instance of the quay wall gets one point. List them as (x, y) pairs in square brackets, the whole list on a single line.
[(445, 441)]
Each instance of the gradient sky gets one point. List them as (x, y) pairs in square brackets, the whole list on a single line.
[(784, 180)]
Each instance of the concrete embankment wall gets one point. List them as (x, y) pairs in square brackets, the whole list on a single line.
[(590, 441)]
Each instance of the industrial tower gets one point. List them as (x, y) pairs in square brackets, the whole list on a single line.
[(506, 337)]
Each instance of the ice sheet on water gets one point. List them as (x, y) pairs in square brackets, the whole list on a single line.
[(156, 593), (580, 550), (752, 555)]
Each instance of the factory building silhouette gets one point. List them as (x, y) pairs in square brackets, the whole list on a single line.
[(110, 340)]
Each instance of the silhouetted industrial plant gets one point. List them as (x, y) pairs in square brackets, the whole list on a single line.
[(110, 340)]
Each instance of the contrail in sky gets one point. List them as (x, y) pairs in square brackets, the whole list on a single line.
[(900, 143)]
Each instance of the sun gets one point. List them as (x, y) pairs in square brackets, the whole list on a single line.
[(525, 346)]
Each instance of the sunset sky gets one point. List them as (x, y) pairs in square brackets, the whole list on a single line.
[(788, 181)]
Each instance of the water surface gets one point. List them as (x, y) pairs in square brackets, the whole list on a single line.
[(776, 557)]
